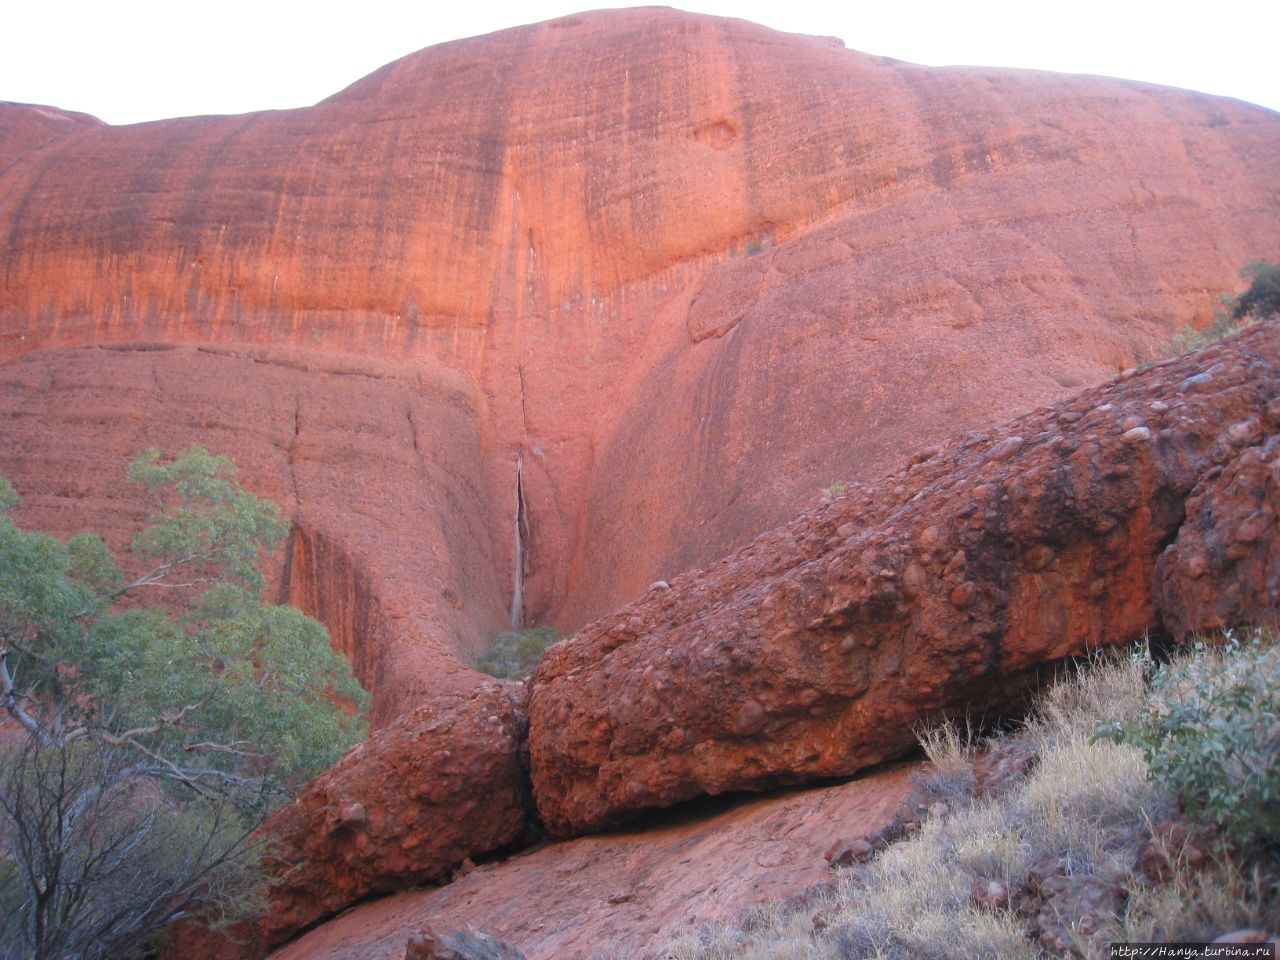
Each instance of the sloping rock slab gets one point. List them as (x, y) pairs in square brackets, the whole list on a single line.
[(627, 894), (816, 650), (440, 785), (458, 945)]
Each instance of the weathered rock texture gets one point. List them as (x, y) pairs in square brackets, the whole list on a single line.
[(627, 268), (628, 893), (817, 649), (25, 130), (438, 786), (1224, 568)]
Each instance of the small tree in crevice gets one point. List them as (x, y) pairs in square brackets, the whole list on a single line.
[(514, 655), (1260, 301)]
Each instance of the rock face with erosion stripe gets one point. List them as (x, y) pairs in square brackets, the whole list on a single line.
[(945, 586), (516, 326)]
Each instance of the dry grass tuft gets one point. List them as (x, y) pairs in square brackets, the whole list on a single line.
[(1086, 809)]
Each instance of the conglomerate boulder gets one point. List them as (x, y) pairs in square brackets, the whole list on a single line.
[(537, 318), (423, 795), (946, 586), (1223, 570)]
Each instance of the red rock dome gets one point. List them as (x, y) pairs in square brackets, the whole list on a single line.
[(531, 320)]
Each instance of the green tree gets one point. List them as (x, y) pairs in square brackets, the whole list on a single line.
[(151, 738)]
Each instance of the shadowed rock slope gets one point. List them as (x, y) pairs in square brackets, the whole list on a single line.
[(518, 324), (627, 891)]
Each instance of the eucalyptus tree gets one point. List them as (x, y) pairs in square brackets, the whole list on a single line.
[(154, 718)]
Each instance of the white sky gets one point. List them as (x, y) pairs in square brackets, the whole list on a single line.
[(132, 60)]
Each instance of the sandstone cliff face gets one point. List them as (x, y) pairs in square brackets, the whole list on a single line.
[(26, 129), (641, 249), (379, 466), (817, 650)]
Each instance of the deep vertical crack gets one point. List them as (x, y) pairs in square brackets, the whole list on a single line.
[(291, 545), (290, 449), (524, 407), (413, 430), (521, 548), (522, 517)]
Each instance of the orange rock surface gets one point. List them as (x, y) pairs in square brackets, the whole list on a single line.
[(1224, 568), (628, 892), (658, 277), (945, 588), (517, 325)]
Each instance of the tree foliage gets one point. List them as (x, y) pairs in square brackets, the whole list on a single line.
[(1259, 302), (153, 736)]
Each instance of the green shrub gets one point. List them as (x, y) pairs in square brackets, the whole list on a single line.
[(1189, 340), (1262, 299), (1087, 804), (147, 740), (1259, 302), (513, 655), (835, 490), (1212, 735)]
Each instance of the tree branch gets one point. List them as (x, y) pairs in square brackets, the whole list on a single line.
[(11, 699)]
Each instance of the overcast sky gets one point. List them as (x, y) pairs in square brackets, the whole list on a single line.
[(132, 60)]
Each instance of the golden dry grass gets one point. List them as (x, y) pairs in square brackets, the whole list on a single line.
[(1087, 804)]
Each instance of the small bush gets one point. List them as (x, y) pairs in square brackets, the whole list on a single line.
[(835, 490), (1212, 735), (515, 654), (1262, 299), (950, 751), (1260, 302), (1189, 340)]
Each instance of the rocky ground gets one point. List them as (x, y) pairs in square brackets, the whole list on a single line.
[(628, 891)]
